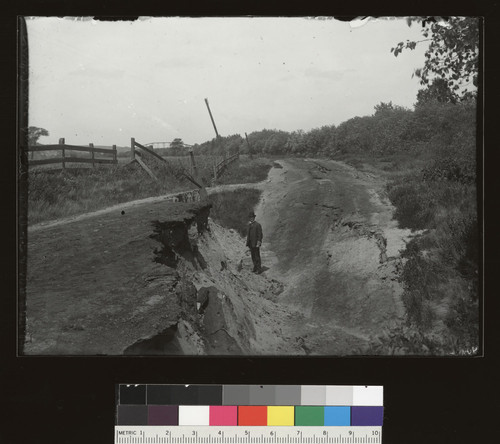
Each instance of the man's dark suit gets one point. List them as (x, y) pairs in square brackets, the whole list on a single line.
[(254, 240)]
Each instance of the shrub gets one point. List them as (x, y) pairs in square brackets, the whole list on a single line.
[(462, 321), (415, 207), (246, 170), (440, 271), (451, 169), (404, 339), (230, 208)]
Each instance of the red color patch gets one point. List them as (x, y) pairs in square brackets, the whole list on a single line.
[(250, 415)]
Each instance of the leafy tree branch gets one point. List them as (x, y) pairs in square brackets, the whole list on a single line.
[(452, 54)]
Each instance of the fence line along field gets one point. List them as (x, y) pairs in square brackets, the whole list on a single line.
[(105, 156), (92, 178), (56, 154)]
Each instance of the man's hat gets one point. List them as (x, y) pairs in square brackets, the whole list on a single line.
[(251, 214)]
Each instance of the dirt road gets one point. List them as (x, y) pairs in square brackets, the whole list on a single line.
[(330, 238), (331, 252)]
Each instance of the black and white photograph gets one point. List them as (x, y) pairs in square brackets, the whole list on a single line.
[(250, 186)]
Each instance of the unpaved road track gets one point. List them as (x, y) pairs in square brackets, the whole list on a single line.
[(329, 237)]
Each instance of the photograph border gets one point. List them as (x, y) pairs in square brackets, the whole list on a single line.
[(427, 399)]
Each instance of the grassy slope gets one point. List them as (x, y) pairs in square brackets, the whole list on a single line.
[(230, 208), (245, 170), (440, 266), (53, 194)]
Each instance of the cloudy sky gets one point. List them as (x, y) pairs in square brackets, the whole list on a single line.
[(105, 82)]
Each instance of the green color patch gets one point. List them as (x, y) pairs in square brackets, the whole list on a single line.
[(309, 416)]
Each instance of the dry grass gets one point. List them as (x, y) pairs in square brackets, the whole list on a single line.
[(230, 208), (54, 193), (246, 170)]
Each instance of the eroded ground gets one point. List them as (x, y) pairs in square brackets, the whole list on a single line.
[(331, 253), (330, 233)]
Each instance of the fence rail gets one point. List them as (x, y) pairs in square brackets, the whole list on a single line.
[(70, 159), (145, 148), (165, 145), (70, 148), (219, 167), (137, 156)]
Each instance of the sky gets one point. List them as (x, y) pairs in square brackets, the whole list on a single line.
[(105, 82)]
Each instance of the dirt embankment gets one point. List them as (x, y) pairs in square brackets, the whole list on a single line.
[(95, 286), (333, 241), (159, 277)]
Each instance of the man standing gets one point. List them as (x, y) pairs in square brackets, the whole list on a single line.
[(254, 241)]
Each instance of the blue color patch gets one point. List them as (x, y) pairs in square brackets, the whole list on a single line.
[(337, 416)]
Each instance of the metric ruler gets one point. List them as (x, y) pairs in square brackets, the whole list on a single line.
[(247, 435)]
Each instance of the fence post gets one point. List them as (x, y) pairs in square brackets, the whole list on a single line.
[(61, 142), (193, 164), (132, 148), (91, 145), (215, 170), (115, 157)]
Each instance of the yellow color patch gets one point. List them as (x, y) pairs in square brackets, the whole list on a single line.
[(280, 415)]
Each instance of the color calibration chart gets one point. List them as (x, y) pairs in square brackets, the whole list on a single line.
[(165, 414)]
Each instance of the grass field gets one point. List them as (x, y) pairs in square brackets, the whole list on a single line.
[(54, 193)]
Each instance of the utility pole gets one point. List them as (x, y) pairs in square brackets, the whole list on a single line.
[(217, 138), (211, 118)]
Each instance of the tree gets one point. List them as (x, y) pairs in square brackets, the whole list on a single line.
[(34, 133), (232, 144), (295, 142), (355, 135), (438, 90), (452, 54), (389, 124), (177, 143)]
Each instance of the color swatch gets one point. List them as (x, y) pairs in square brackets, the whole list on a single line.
[(309, 416), (163, 415), (249, 415), (249, 405), (223, 415), (280, 415), (337, 416)]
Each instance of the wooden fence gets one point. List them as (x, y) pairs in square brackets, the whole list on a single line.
[(65, 159), (137, 151), (220, 167)]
